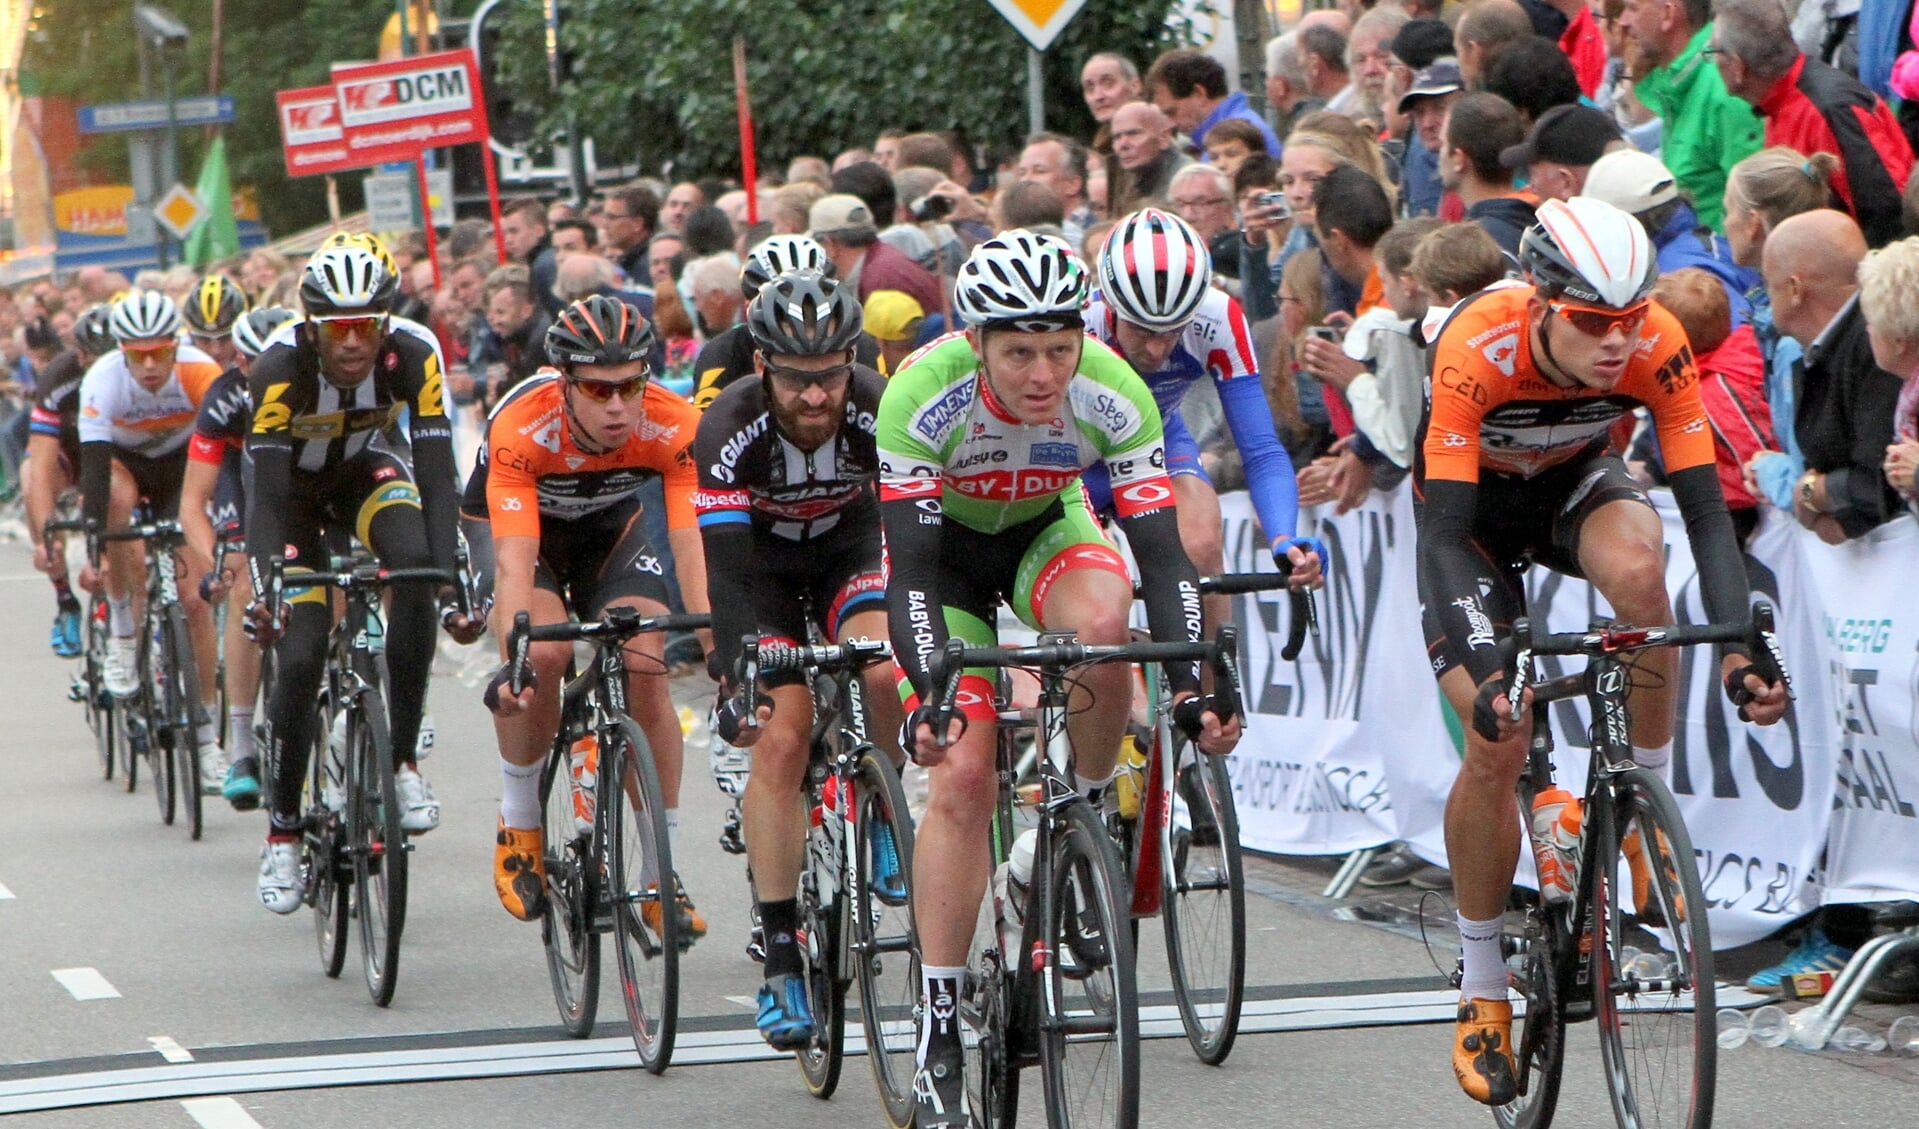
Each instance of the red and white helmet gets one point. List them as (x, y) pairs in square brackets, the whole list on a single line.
[(1154, 270), (1589, 251)]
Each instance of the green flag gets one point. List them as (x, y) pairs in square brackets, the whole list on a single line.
[(216, 237)]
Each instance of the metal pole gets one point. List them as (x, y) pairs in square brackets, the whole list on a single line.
[(1035, 90), (172, 174)]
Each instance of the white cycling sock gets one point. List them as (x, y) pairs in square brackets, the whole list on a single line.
[(939, 997), (1090, 788), (1654, 759), (1485, 976), (240, 731), (519, 795), (120, 617), (206, 733)]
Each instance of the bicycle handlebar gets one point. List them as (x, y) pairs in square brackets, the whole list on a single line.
[(1757, 634), (1305, 615), (789, 658)]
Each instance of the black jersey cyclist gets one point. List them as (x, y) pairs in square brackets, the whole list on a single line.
[(52, 465)]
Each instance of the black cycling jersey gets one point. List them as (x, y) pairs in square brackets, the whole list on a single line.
[(226, 413), (726, 358), (56, 408)]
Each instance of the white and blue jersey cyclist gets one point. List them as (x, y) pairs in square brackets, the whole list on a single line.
[(1157, 308)]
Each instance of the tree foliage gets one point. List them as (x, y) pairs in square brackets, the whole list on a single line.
[(652, 80)]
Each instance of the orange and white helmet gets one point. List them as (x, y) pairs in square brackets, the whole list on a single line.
[(1589, 251)]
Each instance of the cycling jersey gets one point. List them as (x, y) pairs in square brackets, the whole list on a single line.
[(777, 521), (219, 439), (146, 432), (56, 409), (1216, 343), (1495, 421), (729, 356), (948, 450)]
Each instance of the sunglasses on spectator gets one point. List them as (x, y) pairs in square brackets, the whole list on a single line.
[(144, 354), (359, 325), (603, 391), (1598, 323)]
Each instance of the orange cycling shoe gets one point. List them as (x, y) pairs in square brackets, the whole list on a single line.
[(1482, 1051), (519, 871), (692, 926)]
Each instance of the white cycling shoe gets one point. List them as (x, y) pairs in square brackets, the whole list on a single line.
[(282, 885), (419, 808)]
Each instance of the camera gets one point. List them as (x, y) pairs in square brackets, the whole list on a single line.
[(1325, 333), (160, 25), (931, 208), (1277, 201)]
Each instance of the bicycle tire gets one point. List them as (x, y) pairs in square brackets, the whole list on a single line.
[(1657, 1035), (1539, 1037), (1088, 1016), (883, 952), (379, 845), (639, 872), (992, 1074), (1203, 907), (159, 736), (824, 1055), (328, 885), (102, 716), (572, 891), (130, 754), (184, 688)]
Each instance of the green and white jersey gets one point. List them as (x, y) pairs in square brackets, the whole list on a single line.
[(943, 435)]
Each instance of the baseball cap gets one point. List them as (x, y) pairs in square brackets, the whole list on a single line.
[(833, 214), (892, 315), (1442, 77), (1420, 43), (1631, 181), (1566, 135)]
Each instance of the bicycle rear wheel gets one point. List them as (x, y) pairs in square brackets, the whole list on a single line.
[(379, 845), (103, 712), (1088, 1001), (826, 982), (152, 707), (884, 957), (328, 882), (639, 880), (572, 890), (1655, 1007), (1539, 1039), (183, 689), (1204, 908)]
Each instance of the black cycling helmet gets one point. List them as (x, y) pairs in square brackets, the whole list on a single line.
[(803, 313), (93, 333), (213, 306), (598, 330)]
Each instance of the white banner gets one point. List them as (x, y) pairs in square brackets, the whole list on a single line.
[(1356, 709)]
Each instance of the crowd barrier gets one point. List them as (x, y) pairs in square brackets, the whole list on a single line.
[(1349, 748)]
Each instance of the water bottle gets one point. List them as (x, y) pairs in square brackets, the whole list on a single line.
[(831, 816), (583, 761), (375, 633), (1010, 882), (1555, 844), (334, 793)]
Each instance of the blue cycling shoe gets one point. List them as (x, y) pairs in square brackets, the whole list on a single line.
[(889, 882), (785, 1020), (65, 636), (242, 785)]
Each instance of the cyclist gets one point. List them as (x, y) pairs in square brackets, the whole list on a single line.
[(1158, 309), (565, 452), (1526, 382), (213, 498), (982, 439), (136, 415), (322, 392), (731, 355), (52, 464), (212, 308), (790, 524)]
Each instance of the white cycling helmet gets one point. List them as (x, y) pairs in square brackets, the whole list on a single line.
[(1589, 251), (144, 314), (1154, 270), (1020, 280), (776, 255), (349, 278), (251, 332)]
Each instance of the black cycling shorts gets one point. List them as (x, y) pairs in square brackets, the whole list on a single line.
[(596, 560), (1523, 521), (157, 480), (323, 506), (832, 577)]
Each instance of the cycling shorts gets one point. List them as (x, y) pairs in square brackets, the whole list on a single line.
[(830, 577), (1522, 521), (156, 480), (323, 506), (1182, 459), (230, 503), (599, 559)]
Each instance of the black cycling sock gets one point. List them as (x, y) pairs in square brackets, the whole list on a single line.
[(779, 921), (939, 1019)]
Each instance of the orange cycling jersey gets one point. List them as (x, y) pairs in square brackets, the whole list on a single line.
[(532, 467), (1492, 410)]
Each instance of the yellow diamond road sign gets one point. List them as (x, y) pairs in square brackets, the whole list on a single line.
[(179, 210), (1039, 21)]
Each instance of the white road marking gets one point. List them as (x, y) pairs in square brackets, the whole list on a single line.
[(166, 1048), (86, 984), (6, 895), (220, 1113), (743, 1001)]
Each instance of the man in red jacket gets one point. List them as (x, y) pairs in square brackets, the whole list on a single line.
[(1815, 108)]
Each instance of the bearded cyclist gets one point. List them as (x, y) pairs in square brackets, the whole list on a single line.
[(1514, 468)]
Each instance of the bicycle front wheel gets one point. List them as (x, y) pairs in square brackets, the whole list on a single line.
[(1204, 908), (1652, 969), (155, 723), (183, 701), (379, 845), (1539, 1039), (572, 887), (1088, 1002), (641, 886), (884, 958), (328, 882)]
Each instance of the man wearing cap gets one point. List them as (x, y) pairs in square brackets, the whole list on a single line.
[(1638, 183), (1707, 130), (844, 228), (1426, 104), (1190, 87), (1561, 149)]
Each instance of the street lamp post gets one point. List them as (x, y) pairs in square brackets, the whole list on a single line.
[(159, 31)]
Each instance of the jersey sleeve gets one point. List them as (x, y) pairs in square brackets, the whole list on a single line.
[(1115, 409), (677, 423), (1451, 448), (912, 516), (1269, 470), (512, 477), (100, 400), (1670, 390)]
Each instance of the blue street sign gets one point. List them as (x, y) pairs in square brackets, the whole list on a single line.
[(116, 117)]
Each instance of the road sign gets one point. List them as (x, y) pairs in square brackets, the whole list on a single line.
[(179, 211), (1040, 21), (389, 199), (115, 117)]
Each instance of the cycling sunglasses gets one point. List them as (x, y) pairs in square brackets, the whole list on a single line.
[(1598, 323), (805, 377), (603, 391), (360, 325), (141, 354)]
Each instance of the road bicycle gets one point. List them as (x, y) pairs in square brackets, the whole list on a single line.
[(615, 875), (1653, 1007), (854, 896), (1064, 997), (106, 714)]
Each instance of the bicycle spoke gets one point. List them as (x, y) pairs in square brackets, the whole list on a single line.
[(572, 946), (1205, 905), (640, 886)]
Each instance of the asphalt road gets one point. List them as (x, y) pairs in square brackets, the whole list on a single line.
[(214, 1012)]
